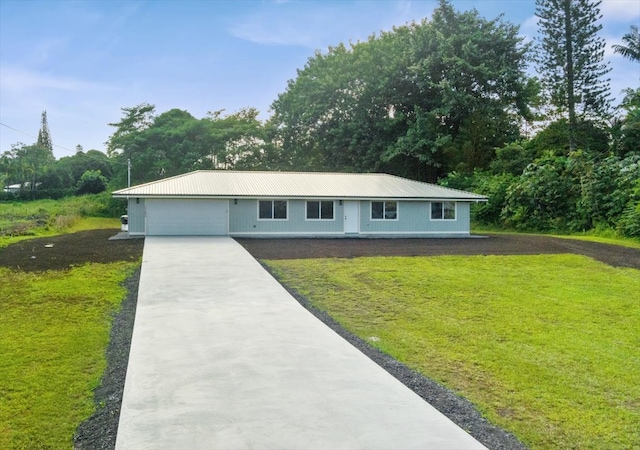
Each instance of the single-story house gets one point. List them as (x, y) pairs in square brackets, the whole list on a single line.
[(296, 204)]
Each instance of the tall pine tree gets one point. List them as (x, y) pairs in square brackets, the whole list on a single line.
[(570, 60), (44, 137)]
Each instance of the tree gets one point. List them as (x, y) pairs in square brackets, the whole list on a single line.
[(626, 130), (632, 49), (570, 58), (91, 182), (175, 142), (44, 136), (136, 118), (26, 164), (418, 101), (589, 136)]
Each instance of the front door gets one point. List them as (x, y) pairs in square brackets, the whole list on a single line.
[(351, 216)]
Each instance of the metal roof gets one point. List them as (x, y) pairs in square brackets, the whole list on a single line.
[(238, 184)]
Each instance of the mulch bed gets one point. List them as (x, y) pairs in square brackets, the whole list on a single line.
[(100, 430)]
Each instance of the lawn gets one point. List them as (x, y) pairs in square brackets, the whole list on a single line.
[(546, 346), (54, 332), (24, 220)]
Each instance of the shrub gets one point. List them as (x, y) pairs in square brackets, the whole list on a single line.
[(91, 182)]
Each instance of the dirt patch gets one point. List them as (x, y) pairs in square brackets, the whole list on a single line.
[(68, 250), (65, 251), (496, 244)]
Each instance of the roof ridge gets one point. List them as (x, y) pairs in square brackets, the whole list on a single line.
[(301, 172), (438, 185), (161, 180)]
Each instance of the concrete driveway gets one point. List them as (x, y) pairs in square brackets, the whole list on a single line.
[(223, 357)]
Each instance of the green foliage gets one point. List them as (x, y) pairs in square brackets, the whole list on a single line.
[(628, 222), (570, 60), (42, 217), (91, 182), (573, 193), (175, 142), (632, 49), (44, 136), (55, 330), (513, 158), (543, 198), (528, 339), (419, 101), (41, 176), (626, 130), (26, 165), (588, 136)]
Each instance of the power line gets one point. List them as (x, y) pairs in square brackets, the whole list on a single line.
[(34, 137)]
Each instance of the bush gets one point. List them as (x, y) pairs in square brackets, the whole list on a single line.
[(91, 182), (629, 222), (493, 186), (543, 198)]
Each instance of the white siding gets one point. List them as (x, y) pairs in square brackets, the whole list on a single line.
[(195, 217)]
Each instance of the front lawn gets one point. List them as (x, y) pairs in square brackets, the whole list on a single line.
[(54, 329), (546, 346)]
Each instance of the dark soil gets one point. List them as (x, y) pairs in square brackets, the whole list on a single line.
[(99, 431), (497, 244), (68, 250)]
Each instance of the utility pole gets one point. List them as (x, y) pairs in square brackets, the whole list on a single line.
[(128, 173)]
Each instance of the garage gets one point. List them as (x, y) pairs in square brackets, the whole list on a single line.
[(192, 217)]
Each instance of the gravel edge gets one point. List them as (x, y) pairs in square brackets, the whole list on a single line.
[(99, 431), (458, 409)]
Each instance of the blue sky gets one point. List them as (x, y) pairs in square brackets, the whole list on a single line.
[(82, 61)]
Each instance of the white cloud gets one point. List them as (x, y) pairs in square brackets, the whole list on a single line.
[(620, 10), (529, 28), (16, 80), (318, 25), (278, 31)]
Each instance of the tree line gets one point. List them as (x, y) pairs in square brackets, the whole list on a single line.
[(446, 100)]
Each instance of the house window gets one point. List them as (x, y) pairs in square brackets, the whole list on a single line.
[(272, 209), (443, 210), (384, 210), (319, 210)]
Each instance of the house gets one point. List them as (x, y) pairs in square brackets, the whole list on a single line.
[(290, 204), (15, 188)]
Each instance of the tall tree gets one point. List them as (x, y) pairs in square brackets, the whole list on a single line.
[(44, 136), (632, 49), (407, 101), (570, 58), (175, 142)]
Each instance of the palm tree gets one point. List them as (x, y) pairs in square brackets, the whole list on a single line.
[(632, 49)]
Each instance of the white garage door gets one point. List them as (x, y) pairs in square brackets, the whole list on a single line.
[(191, 217)]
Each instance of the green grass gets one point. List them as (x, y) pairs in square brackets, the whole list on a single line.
[(617, 240), (604, 236), (47, 217), (546, 346), (53, 336)]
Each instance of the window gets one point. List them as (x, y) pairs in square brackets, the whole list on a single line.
[(319, 210), (272, 209), (384, 210), (443, 210)]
